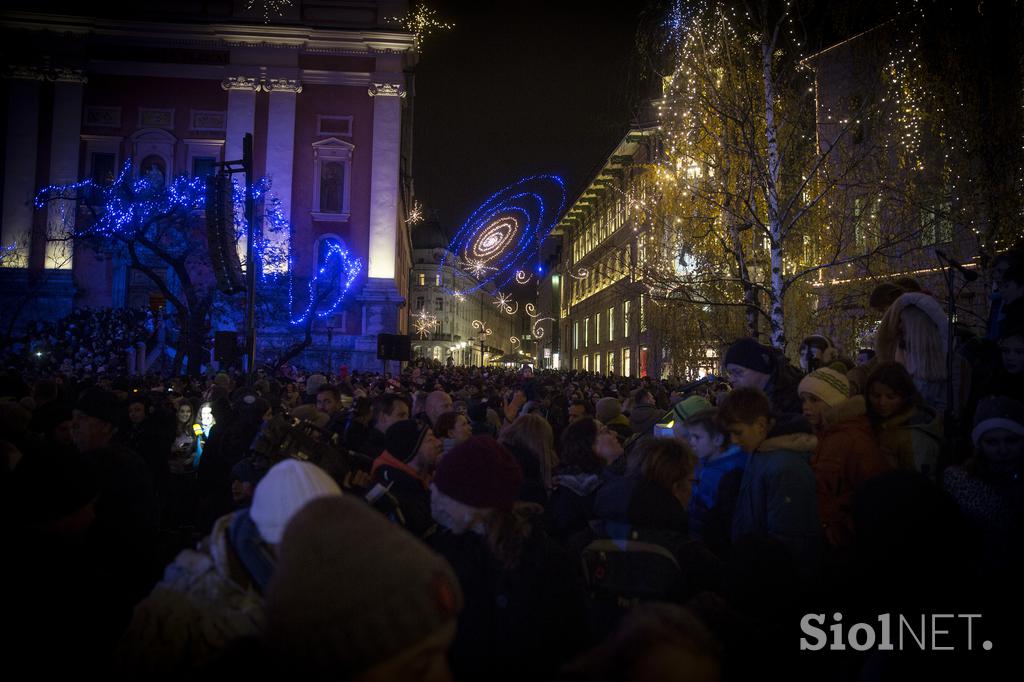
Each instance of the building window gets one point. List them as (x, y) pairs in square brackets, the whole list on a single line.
[(641, 369), (643, 314), (203, 166), (437, 280), (575, 336), (576, 363), (334, 125), (332, 162), (103, 167), (419, 303), (586, 363), (625, 321), (626, 370), (439, 304), (437, 352), (586, 333), (611, 327), (423, 280), (597, 362), (611, 362), (597, 329)]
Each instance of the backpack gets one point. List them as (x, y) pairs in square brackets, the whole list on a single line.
[(622, 572)]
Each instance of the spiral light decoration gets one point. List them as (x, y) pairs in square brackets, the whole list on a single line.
[(531, 310), (481, 327), (505, 303), (580, 274), (506, 232), (514, 341), (522, 277), (538, 331)]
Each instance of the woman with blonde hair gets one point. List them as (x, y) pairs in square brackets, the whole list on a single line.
[(914, 332), (531, 441)]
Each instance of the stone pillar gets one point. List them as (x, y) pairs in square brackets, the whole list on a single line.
[(384, 189), (280, 160), (20, 166), (241, 120), (65, 143)]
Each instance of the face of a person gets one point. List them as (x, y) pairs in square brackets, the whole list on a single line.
[(885, 401), (746, 377), (607, 446), (89, 433), (399, 414), (461, 431), (749, 436), (1012, 350), (206, 417), (1003, 449), (430, 450), (808, 354), (814, 408), (136, 413), (576, 412), (326, 403), (61, 434), (185, 414), (701, 442)]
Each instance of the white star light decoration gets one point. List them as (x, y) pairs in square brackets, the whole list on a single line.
[(505, 303), (421, 22), (424, 324), (275, 6), (416, 214), (476, 267)]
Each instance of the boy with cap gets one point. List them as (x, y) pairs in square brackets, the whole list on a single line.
[(847, 453), (405, 469)]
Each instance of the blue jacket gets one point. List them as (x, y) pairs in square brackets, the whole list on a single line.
[(706, 491), (778, 493)]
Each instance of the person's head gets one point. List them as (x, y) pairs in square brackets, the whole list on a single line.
[(473, 480), (54, 421), (580, 445), (890, 391), (389, 409), (328, 399), (1011, 286), (415, 445), (864, 356), (283, 491), (669, 463), (998, 435), (313, 384), (453, 425), (356, 597), (532, 433), (577, 411), (206, 419), (821, 390), (1011, 348), (437, 403), (94, 419), (185, 412), (607, 409), (749, 364), (746, 414), (704, 433), (922, 342), (816, 351), (641, 397)]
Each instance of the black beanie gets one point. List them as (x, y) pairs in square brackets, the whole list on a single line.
[(747, 352), (403, 439)]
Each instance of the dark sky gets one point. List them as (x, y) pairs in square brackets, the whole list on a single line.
[(515, 89)]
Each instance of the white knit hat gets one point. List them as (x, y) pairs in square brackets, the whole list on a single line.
[(286, 489), (826, 384)]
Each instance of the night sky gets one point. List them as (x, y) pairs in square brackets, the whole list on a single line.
[(517, 89)]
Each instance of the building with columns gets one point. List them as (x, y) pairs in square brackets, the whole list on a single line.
[(325, 88)]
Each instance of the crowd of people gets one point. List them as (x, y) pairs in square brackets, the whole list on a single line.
[(500, 524)]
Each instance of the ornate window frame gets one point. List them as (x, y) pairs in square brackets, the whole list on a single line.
[(332, 149)]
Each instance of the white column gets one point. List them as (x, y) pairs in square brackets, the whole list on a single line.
[(241, 118), (64, 152), (280, 159), (387, 140), (20, 170)]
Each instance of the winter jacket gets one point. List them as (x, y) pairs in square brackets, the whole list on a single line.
[(571, 504), (782, 387), (373, 444), (409, 488), (642, 419), (714, 497), (519, 623), (847, 455), (912, 440), (206, 600), (532, 488), (634, 504), (778, 493)]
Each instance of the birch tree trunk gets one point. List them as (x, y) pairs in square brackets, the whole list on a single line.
[(776, 291)]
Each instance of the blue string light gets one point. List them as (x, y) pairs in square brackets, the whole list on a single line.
[(506, 232), (337, 264)]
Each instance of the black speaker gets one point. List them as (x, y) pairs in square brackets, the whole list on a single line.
[(220, 234), (394, 347), (225, 346)]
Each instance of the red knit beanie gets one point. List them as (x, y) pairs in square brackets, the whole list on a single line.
[(480, 473)]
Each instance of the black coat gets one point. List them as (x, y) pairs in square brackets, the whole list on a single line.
[(413, 498), (521, 623)]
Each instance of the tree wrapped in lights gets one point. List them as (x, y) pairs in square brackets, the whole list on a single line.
[(764, 191)]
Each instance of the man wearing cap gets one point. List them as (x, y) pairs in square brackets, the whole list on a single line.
[(213, 595), (609, 412), (847, 453), (751, 364), (405, 469), (644, 415)]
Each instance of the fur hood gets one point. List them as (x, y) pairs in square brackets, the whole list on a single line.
[(791, 432), (887, 337)]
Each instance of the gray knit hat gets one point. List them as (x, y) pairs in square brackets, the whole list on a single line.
[(607, 409), (352, 589), (997, 412)]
